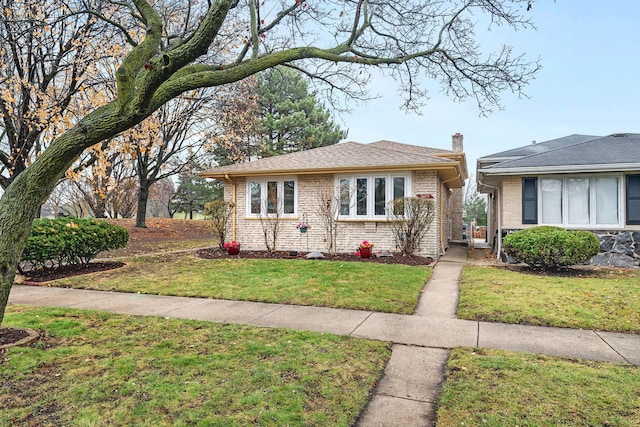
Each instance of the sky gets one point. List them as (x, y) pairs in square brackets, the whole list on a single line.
[(589, 84)]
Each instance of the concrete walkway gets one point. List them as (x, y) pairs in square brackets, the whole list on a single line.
[(408, 392)]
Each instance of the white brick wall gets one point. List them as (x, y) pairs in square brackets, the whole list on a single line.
[(351, 232), (511, 202)]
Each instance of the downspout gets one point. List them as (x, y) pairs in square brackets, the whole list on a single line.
[(499, 216), (442, 247), (233, 200)]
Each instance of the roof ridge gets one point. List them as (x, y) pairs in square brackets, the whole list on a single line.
[(564, 147), (505, 153), (411, 146), (424, 156)]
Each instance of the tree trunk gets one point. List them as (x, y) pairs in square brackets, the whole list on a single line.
[(18, 207), (143, 198), (32, 187), (100, 210)]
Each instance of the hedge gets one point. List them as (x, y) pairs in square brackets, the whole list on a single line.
[(551, 247), (63, 241)]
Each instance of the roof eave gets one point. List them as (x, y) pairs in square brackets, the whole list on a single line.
[(317, 171), (449, 170), (546, 170)]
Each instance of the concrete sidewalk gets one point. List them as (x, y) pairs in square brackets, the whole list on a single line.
[(423, 331), (408, 392)]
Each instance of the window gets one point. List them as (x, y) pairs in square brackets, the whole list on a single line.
[(398, 191), (633, 199), (361, 196), (369, 196), (380, 196), (551, 201), (271, 196), (344, 187), (576, 201), (529, 200)]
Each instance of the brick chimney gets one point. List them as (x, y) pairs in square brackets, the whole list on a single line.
[(455, 196), (456, 142)]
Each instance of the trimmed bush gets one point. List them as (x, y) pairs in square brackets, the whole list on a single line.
[(551, 247), (61, 241)]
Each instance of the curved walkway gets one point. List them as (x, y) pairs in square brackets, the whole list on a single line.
[(409, 389)]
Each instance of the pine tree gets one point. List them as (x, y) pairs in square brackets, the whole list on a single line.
[(291, 118)]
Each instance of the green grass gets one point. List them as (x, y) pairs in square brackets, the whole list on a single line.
[(607, 300), (354, 285), (105, 369), (142, 248), (497, 388)]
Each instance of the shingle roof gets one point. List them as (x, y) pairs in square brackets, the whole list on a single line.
[(415, 149), (616, 149), (345, 156), (542, 147)]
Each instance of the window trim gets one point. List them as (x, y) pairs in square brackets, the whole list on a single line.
[(533, 200), (592, 197), (629, 218), (370, 200), (280, 180)]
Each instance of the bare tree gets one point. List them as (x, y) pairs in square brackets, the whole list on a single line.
[(160, 195), (328, 211), (235, 135), (271, 220), (223, 41), (166, 143), (410, 219), (49, 55)]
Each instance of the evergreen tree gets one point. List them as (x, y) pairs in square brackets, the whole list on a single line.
[(194, 192), (475, 208), (291, 118)]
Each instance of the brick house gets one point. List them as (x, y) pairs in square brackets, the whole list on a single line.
[(580, 182), (360, 179)]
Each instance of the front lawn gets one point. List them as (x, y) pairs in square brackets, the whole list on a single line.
[(498, 388), (389, 288), (106, 369), (607, 300)]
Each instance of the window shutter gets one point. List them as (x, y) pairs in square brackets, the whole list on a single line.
[(633, 200), (529, 200)]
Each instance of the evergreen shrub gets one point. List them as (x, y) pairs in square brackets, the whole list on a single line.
[(551, 247), (62, 241)]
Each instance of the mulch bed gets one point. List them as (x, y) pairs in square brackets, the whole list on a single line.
[(11, 335), (216, 253), (48, 274)]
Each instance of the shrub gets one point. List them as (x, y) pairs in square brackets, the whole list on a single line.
[(55, 242), (219, 213), (410, 218), (551, 247)]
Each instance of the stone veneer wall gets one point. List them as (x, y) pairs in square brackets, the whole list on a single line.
[(618, 248)]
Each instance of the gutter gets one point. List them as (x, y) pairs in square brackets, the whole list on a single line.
[(498, 214), (546, 170), (442, 246), (339, 170), (233, 200)]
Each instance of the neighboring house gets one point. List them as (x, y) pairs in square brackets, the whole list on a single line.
[(370, 175), (577, 182)]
